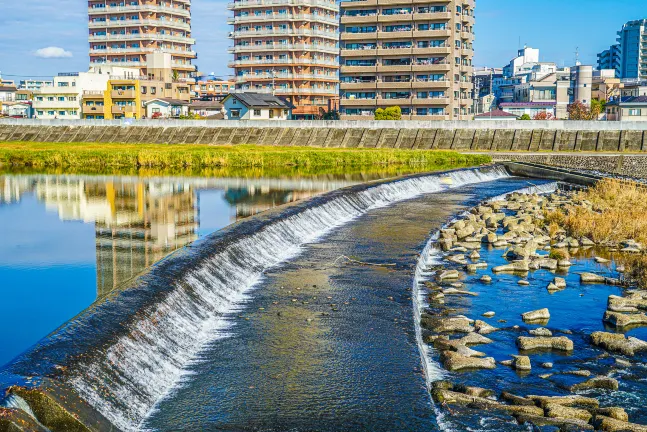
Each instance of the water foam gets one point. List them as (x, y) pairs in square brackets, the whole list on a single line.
[(126, 380)]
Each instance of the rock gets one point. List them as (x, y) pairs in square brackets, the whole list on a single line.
[(473, 391), (446, 244), (613, 412), (632, 250), (547, 365), (442, 384), (620, 269), (475, 339), (484, 328), (521, 363), (448, 275), (612, 425), (537, 315), (490, 238), (586, 242), (506, 362), (552, 288), (562, 424), (604, 383), (500, 243), (465, 232), (582, 373), (472, 268), (454, 291), (475, 256), (468, 352), (458, 259), (541, 331), (489, 314), (591, 278), (517, 266), (601, 260), (516, 400), (616, 342), (454, 361), (625, 304), (622, 362), (548, 264), (559, 411), (561, 343), (624, 320), (559, 282), (446, 325), (441, 396), (523, 282), (564, 263), (570, 401), (486, 279)]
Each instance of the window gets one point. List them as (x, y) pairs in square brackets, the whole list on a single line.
[(156, 110), (634, 112), (235, 113), (257, 112)]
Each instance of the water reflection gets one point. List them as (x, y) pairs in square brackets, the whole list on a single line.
[(56, 230)]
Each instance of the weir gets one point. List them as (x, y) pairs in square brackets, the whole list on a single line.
[(113, 363)]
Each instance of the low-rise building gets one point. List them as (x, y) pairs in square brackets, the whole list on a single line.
[(632, 108), (606, 86), (35, 84), (7, 93), (495, 115), (209, 109), (18, 109), (256, 106), (212, 89), (531, 108), (166, 108)]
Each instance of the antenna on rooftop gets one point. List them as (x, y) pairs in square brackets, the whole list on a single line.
[(577, 56)]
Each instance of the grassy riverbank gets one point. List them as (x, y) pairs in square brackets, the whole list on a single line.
[(100, 156), (609, 213)]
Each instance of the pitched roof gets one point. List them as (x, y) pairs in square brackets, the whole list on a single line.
[(205, 104), (169, 101), (524, 104), (8, 89), (630, 100), (495, 113), (260, 100)]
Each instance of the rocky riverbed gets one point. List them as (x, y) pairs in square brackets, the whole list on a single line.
[(533, 327)]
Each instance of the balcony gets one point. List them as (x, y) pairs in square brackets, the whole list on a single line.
[(93, 94), (359, 52), (395, 17), (405, 34), (431, 67), (139, 23), (431, 84), (432, 33), (153, 36), (394, 85), (467, 35), (430, 101), (281, 77), (243, 4), (394, 68), (359, 36), (433, 117), (285, 47), (360, 3), (358, 69), (140, 8), (358, 19), (426, 16), (394, 101), (394, 51), (129, 109), (357, 85), (358, 102), (282, 17), (55, 104), (135, 64), (123, 94), (93, 109), (242, 63), (433, 50)]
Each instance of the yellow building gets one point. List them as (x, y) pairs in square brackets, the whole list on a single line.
[(122, 99)]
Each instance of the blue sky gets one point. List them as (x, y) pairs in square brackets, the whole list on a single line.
[(43, 37)]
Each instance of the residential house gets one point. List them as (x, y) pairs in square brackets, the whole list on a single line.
[(632, 108), (256, 106), (166, 108), (495, 115), (208, 109)]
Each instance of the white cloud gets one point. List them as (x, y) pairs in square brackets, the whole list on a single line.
[(52, 52)]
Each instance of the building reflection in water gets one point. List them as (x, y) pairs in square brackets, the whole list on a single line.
[(138, 221)]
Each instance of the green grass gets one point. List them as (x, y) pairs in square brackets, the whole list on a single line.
[(105, 156)]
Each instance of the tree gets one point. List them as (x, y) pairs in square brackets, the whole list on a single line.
[(578, 111), (543, 115), (524, 117), (175, 76), (328, 115), (598, 105), (390, 113)]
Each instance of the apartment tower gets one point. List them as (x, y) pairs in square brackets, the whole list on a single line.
[(415, 54), (122, 32), (288, 48)]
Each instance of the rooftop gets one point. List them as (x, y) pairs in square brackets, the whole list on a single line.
[(495, 113), (260, 100)]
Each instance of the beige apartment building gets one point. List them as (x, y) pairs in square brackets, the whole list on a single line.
[(288, 48), (122, 32), (415, 54)]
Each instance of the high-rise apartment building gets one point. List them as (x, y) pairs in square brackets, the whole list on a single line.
[(415, 54), (288, 48), (122, 32), (632, 39), (610, 59)]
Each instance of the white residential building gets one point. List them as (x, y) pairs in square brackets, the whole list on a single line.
[(524, 56)]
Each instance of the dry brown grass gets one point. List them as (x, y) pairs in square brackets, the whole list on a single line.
[(618, 212)]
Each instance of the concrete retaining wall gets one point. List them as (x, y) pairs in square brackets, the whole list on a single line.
[(549, 136)]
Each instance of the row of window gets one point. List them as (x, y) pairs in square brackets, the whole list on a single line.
[(395, 11), (395, 28), (395, 78), (56, 98), (405, 111), (395, 95)]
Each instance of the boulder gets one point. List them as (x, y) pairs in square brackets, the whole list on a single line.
[(552, 288), (446, 244), (490, 238), (548, 264), (458, 259), (625, 320), (564, 263), (541, 331), (537, 315), (486, 279), (554, 410), (454, 291), (446, 325), (465, 232), (562, 424), (609, 424), (476, 256), (484, 328), (601, 260), (604, 383), (591, 278), (453, 361), (475, 339), (521, 363), (517, 266), (448, 275), (472, 268), (561, 343), (586, 241), (613, 412), (489, 314), (559, 282), (523, 282), (570, 401), (617, 342), (516, 400), (442, 396)]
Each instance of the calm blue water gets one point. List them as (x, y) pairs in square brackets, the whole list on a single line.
[(66, 240)]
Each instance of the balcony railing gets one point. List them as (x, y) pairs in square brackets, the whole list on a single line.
[(282, 17), (142, 36), (284, 47), (283, 32), (141, 50), (140, 8), (286, 61), (138, 22), (254, 3), (253, 77)]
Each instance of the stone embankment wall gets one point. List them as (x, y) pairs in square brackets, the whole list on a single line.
[(552, 136), (634, 165)]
